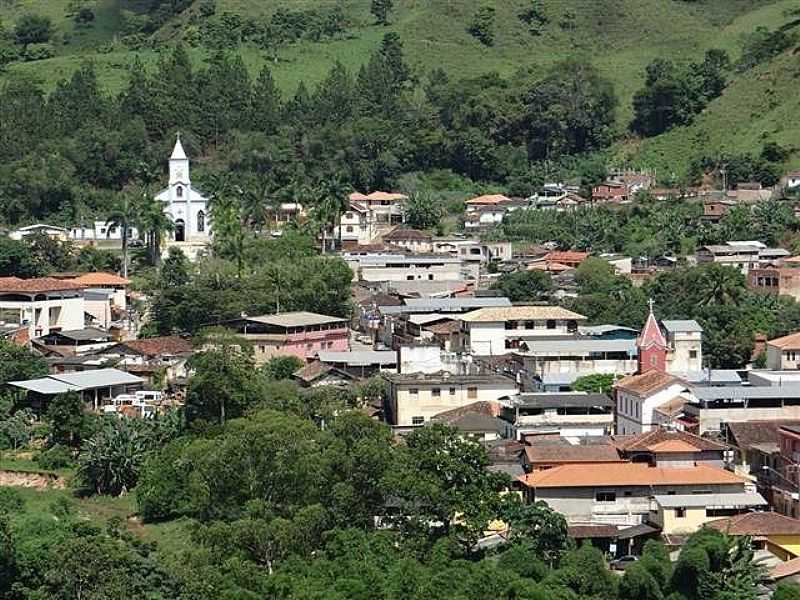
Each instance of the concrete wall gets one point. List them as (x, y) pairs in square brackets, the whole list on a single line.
[(710, 418), (680, 359), (578, 504), (425, 403), (782, 360)]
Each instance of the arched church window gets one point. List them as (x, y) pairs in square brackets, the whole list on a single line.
[(179, 191), (201, 222)]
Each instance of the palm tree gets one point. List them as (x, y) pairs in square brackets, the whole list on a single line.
[(720, 284), (123, 216), (154, 222), (331, 201), (230, 226)]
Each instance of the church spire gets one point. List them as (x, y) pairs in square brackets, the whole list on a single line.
[(652, 344), (178, 164)]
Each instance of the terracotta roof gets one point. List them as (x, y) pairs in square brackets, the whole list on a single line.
[(591, 531), (785, 569), (757, 523), (671, 407), (157, 346), (90, 279), (749, 433), (489, 199), (791, 341), (41, 284), (662, 440), (627, 474), (445, 328), (520, 313), (567, 256), (358, 197), (315, 370), (646, 383), (406, 234), (482, 407), (558, 453)]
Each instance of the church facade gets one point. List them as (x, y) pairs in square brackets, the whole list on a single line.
[(186, 206)]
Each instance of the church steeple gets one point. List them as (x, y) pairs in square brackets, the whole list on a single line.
[(178, 164), (652, 345)]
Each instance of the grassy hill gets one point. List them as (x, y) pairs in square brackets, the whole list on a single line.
[(620, 36)]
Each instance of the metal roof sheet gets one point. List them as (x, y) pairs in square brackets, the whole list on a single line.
[(536, 345), (359, 357), (296, 319), (45, 386), (560, 400), (85, 380), (709, 500), (458, 303), (787, 390), (682, 325)]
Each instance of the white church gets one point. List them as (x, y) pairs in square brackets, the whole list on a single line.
[(186, 207)]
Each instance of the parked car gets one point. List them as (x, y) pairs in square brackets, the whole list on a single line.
[(623, 562)]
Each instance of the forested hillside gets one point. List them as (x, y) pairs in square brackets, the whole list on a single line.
[(479, 96)]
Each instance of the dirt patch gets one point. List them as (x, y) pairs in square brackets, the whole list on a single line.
[(31, 479)]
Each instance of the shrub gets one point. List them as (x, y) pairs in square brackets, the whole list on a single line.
[(33, 29), (11, 500), (57, 457)]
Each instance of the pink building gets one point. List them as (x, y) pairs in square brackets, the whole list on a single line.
[(301, 334)]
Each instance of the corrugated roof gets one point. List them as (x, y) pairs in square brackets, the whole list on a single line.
[(44, 386), (359, 357), (450, 304), (682, 325), (628, 474), (709, 500), (561, 400), (443, 378), (521, 313), (85, 335), (707, 394), (97, 378), (296, 319), (538, 345)]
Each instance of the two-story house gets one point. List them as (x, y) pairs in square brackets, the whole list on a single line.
[(775, 281), (300, 334), (494, 331), (413, 240), (414, 398), (741, 257), (402, 267), (567, 414), (783, 353), (43, 305)]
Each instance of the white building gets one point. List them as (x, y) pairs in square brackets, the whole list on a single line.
[(402, 267), (493, 331), (186, 206), (639, 396), (44, 305), (100, 231), (51, 231), (684, 346), (369, 216)]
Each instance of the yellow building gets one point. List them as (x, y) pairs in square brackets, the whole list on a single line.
[(681, 514), (769, 530)]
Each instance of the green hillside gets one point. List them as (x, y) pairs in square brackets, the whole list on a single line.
[(620, 36)]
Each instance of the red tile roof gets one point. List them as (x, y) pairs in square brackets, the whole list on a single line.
[(646, 383), (567, 256), (662, 440), (157, 346), (488, 199), (757, 523), (558, 453), (627, 474), (40, 284), (406, 234), (791, 341), (99, 278)]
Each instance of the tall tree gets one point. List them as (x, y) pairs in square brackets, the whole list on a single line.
[(381, 9)]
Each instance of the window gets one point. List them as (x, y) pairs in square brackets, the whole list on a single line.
[(472, 392), (179, 191), (692, 353), (452, 391), (417, 420), (348, 215), (628, 494), (436, 392), (680, 513), (409, 278), (430, 276), (413, 391), (201, 222), (653, 360), (529, 324), (551, 324), (605, 497), (349, 229)]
